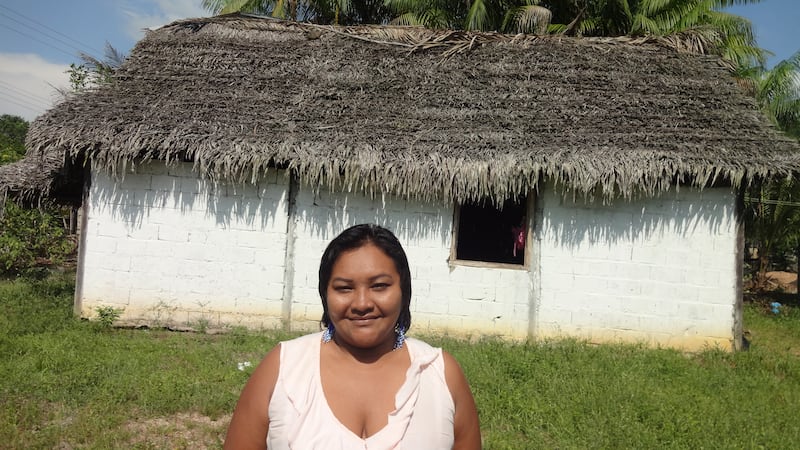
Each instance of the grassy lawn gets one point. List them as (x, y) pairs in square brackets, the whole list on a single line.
[(66, 383)]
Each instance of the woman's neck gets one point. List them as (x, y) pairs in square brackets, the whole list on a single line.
[(370, 355)]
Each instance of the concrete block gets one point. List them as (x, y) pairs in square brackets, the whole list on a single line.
[(478, 292), (144, 232), (197, 237), (133, 182), (172, 233), (182, 170), (590, 284), (153, 264), (103, 244), (441, 290), (516, 295), (653, 256), (113, 229), (426, 306), (165, 183), (252, 239), (617, 287), (153, 167), (95, 260), (305, 295)]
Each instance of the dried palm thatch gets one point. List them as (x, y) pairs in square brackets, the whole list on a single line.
[(32, 177), (419, 113)]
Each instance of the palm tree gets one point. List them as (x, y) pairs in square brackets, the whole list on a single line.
[(699, 21), (512, 16), (342, 12), (778, 94), (773, 208)]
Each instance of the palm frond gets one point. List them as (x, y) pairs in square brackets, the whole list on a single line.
[(408, 19), (779, 93), (112, 57), (406, 5), (588, 27), (700, 40), (528, 19), (478, 16), (231, 6), (652, 8), (643, 24), (616, 17)]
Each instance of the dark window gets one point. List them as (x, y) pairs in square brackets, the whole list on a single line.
[(493, 234)]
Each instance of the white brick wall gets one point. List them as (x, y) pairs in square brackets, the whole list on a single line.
[(169, 246), (457, 299), (661, 271)]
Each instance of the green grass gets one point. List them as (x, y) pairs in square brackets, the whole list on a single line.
[(66, 383)]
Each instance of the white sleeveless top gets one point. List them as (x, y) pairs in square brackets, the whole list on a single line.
[(300, 418)]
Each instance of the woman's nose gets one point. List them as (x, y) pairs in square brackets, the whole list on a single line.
[(362, 301)]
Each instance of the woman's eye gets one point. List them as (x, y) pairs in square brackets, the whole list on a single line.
[(342, 288), (380, 286)]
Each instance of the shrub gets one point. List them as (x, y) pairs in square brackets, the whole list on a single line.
[(107, 315), (31, 238)]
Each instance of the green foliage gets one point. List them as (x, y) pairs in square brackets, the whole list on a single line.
[(107, 315), (778, 94), (12, 138), (30, 238), (79, 77), (30, 306), (93, 72), (772, 214), (702, 22), (341, 12)]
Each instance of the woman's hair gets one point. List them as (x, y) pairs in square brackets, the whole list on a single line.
[(356, 237)]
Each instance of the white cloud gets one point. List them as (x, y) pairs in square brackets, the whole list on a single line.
[(29, 84), (151, 14)]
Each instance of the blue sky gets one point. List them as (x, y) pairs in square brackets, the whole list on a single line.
[(39, 39)]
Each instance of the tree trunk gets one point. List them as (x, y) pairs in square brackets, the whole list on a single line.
[(761, 277)]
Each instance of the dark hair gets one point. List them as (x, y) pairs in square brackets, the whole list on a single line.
[(356, 237)]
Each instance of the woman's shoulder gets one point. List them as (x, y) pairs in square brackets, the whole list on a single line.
[(424, 354), (305, 339), (421, 345), (300, 350)]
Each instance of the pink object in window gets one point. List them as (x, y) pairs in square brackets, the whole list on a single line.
[(519, 239)]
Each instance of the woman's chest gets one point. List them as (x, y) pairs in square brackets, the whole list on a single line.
[(362, 401)]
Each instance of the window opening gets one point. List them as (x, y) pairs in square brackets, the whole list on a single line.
[(490, 234)]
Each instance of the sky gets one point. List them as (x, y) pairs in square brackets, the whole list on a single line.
[(40, 39)]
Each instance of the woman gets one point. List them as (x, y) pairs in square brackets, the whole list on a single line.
[(360, 383)]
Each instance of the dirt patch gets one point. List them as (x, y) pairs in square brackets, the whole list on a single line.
[(180, 431), (782, 282)]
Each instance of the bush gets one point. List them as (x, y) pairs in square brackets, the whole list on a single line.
[(31, 238)]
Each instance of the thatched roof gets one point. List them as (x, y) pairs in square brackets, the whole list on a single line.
[(32, 177), (421, 113)]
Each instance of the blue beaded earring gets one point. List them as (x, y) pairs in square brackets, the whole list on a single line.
[(400, 331), (327, 335)]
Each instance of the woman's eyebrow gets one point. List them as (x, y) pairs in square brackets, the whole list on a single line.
[(372, 278)]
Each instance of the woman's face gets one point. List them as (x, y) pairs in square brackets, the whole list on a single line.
[(364, 297)]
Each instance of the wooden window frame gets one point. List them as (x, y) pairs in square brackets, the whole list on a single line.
[(530, 204)]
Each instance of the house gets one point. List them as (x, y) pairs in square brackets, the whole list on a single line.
[(543, 186)]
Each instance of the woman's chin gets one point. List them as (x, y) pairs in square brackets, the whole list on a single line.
[(365, 338)]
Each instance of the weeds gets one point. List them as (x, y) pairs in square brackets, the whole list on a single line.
[(107, 315)]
